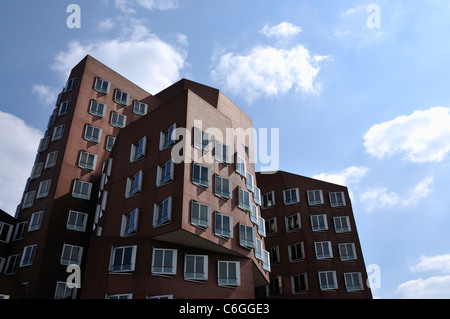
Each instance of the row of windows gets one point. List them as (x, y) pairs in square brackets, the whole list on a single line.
[(315, 197), (318, 223)]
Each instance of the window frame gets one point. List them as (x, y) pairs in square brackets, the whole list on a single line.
[(137, 108), (36, 171), (242, 203), (299, 284), (162, 178), (220, 149), (199, 140), (28, 199), (203, 275), (118, 120), (322, 253), (316, 222), (227, 281), (296, 227), (64, 107), (94, 107), (134, 185), (312, 200), (138, 150), (296, 252), (79, 254), (80, 194), (121, 100), (163, 271), (44, 188), (200, 181), (89, 157), (96, 133), (165, 143), (222, 232), (76, 227), (265, 200), (100, 88), (58, 132), (165, 218), (338, 224), (221, 192), (244, 236), (199, 221), (328, 286), (352, 287), (51, 159), (291, 200), (29, 255), (122, 269), (129, 224), (35, 221), (346, 253)]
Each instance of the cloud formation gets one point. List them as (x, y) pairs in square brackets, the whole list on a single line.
[(346, 176), (282, 30)]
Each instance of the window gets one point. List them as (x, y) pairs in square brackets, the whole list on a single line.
[(271, 226), (81, 189), (28, 199), (5, 232), (266, 260), (160, 297), (43, 144), (342, 224), (64, 108), (58, 132), (319, 222), (120, 296), (337, 199), (140, 108), (323, 250), (327, 280), (71, 255), (129, 223), (77, 221), (196, 267), (240, 165), (44, 188), (229, 273), (347, 251), (268, 200), (35, 221), (296, 252), (92, 133), (256, 195), (292, 223), (164, 261), (275, 287), (274, 255), (353, 281), (223, 187), (249, 181), (51, 159), (37, 170), (52, 118), (138, 150), (244, 199), (162, 212), (223, 226), (315, 197), (246, 236), (118, 120), (167, 138), (299, 283), (28, 255), (121, 97), (11, 264), (222, 153), (202, 140), (200, 215), (97, 109), (201, 175), (70, 84), (87, 161), (261, 226), (290, 196), (123, 259), (254, 214), (110, 140), (102, 86), (134, 185), (164, 173), (20, 231), (258, 249)]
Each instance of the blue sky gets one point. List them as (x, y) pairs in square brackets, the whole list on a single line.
[(358, 91)]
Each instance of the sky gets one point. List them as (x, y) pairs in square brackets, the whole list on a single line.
[(358, 91)]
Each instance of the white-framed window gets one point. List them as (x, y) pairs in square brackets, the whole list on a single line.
[(291, 196), (246, 236), (102, 86), (35, 221), (299, 283), (19, 233), (223, 225), (240, 165), (201, 175), (11, 264), (58, 132), (254, 214), (5, 232), (258, 249), (296, 252), (244, 199), (222, 187), (167, 138), (342, 224), (165, 173), (222, 153), (134, 185), (202, 140), (77, 221), (160, 297), (138, 150), (81, 189), (327, 280), (71, 254), (268, 200), (323, 249), (292, 223), (44, 188), (123, 259), (120, 296), (129, 223), (52, 118), (337, 199), (3, 296), (261, 226), (70, 84), (37, 170), (162, 212), (110, 140), (315, 197), (266, 260), (275, 287), (28, 255), (271, 226), (257, 195), (64, 107), (347, 251), (87, 161), (121, 97), (353, 281), (249, 181), (200, 214), (164, 261), (196, 267), (51, 159), (319, 222), (274, 254), (229, 273), (97, 109), (140, 108), (28, 199), (92, 134), (43, 144), (118, 120)]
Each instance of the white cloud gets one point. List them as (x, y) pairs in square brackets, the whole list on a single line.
[(346, 176), (436, 287), (268, 71), (45, 93), (128, 6), (352, 11), (106, 24), (284, 29), (432, 263), (17, 153), (424, 136)]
